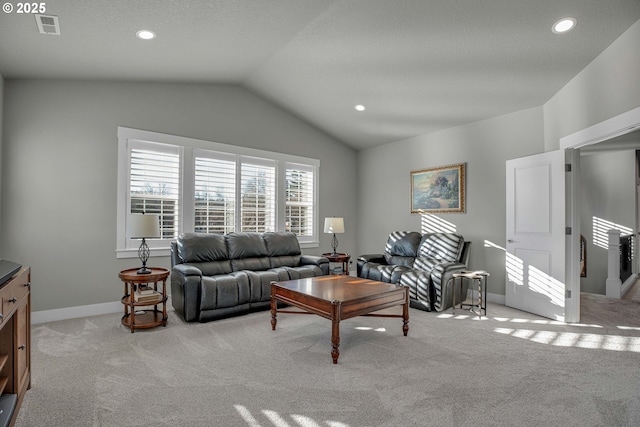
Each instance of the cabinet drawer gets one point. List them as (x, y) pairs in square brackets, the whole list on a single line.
[(13, 292)]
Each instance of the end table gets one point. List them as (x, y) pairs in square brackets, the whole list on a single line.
[(477, 277), (148, 318), (338, 257)]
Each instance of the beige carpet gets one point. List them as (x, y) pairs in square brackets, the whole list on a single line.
[(508, 369)]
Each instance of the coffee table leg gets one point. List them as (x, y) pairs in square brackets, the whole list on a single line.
[(274, 307), (335, 340), (405, 314), (335, 330)]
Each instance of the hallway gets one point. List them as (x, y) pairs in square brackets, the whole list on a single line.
[(633, 294)]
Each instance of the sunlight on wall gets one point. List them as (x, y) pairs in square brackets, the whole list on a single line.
[(513, 264), (277, 420), (433, 224), (600, 229)]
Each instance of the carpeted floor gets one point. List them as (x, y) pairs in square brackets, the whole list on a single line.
[(508, 369)]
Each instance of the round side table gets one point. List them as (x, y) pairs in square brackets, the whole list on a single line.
[(338, 257), (155, 296)]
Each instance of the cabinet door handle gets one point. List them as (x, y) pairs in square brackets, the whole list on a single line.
[(22, 347), (14, 299), (28, 284)]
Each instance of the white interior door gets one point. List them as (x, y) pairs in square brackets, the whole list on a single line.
[(535, 258)]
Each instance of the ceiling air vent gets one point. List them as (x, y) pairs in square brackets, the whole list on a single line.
[(48, 24)]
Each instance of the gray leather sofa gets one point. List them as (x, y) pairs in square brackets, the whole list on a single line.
[(215, 276), (424, 263)]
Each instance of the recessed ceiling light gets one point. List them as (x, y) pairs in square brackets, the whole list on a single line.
[(360, 107), (563, 25), (146, 35)]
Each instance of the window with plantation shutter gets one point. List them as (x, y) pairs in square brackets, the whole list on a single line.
[(215, 195), (299, 199), (257, 195), (155, 185), (207, 187)]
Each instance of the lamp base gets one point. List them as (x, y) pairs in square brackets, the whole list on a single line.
[(334, 245), (144, 270)]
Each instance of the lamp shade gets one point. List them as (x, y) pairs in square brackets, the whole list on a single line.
[(144, 226), (334, 225)]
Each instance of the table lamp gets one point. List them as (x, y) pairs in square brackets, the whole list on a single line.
[(334, 225), (144, 226)]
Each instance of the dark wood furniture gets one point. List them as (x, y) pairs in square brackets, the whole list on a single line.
[(339, 257), (15, 344), (338, 298), (135, 318)]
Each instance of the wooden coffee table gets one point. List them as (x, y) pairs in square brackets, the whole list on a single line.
[(338, 298)]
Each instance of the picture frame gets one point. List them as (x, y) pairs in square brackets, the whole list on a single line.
[(438, 190)]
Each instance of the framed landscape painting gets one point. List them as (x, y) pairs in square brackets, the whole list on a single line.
[(438, 190)]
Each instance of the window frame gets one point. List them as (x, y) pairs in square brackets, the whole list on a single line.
[(189, 149)]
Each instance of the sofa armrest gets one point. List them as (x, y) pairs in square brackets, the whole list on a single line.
[(185, 290), (362, 264), (313, 260), (186, 270), (377, 258), (441, 277), (320, 261), (453, 266)]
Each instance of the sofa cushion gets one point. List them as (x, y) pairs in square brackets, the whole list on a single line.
[(425, 264), (281, 243), (418, 283), (283, 249), (207, 252), (441, 246), (260, 284), (402, 247), (247, 251), (226, 290), (211, 268), (245, 245), (201, 247)]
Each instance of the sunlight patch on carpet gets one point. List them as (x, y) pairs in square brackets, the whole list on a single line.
[(278, 420), (573, 339)]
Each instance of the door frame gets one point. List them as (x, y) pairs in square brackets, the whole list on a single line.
[(615, 126)]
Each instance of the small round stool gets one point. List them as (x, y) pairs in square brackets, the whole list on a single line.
[(478, 277)]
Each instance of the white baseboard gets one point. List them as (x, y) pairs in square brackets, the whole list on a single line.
[(81, 311), (73, 312), (496, 298)]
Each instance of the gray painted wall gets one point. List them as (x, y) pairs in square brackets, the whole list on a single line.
[(59, 176), (607, 87), (384, 189), (607, 192)]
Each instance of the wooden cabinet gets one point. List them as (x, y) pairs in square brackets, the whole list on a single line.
[(15, 344)]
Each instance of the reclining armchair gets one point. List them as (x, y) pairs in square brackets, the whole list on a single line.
[(424, 263)]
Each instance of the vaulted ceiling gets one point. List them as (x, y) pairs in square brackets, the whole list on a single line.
[(418, 66)]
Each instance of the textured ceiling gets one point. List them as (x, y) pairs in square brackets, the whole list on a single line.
[(418, 66)]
